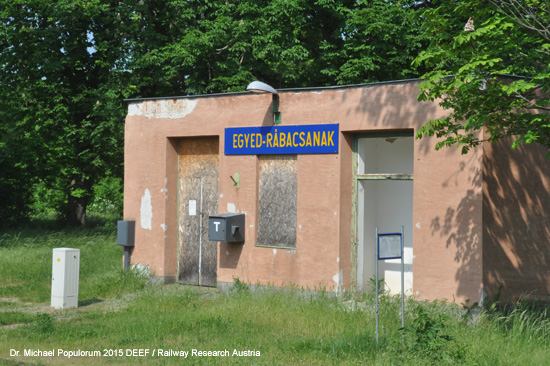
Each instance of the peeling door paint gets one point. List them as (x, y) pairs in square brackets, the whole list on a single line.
[(198, 186)]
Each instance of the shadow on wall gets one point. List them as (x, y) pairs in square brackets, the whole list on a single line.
[(230, 255), (461, 226), (516, 212), (393, 106)]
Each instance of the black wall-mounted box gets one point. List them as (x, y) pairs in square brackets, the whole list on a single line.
[(228, 227), (126, 233)]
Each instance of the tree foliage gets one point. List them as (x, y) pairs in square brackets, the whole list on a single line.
[(381, 41), (194, 47), (62, 72), (472, 67), (67, 65), (209, 47)]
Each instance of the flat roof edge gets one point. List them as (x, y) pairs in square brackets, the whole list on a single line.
[(304, 89), (290, 90)]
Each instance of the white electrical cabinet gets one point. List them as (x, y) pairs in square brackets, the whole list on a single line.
[(65, 276)]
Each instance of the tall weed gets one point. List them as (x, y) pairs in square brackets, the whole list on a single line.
[(429, 332)]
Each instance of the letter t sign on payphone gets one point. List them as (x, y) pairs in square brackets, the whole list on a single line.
[(228, 227)]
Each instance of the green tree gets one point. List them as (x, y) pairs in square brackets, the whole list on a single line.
[(476, 46), (17, 177), (62, 71), (382, 38), (67, 65), (195, 47)]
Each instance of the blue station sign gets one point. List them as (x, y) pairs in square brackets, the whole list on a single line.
[(304, 139)]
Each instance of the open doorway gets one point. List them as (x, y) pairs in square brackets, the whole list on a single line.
[(384, 177)]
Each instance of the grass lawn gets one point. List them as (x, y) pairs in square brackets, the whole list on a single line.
[(122, 319)]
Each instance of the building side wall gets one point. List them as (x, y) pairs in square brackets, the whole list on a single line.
[(516, 235), (448, 223)]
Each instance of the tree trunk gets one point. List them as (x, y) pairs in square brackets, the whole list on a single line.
[(76, 213)]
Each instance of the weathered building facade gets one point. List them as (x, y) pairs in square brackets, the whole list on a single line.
[(313, 188)]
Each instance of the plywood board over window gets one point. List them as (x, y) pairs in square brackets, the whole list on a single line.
[(278, 191)]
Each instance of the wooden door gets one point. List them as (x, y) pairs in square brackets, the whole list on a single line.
[(198, 199)]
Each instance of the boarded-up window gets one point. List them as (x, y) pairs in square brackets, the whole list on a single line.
[(278, 201)]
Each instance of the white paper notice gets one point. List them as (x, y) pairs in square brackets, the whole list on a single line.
[(389, 247), (192, 207)]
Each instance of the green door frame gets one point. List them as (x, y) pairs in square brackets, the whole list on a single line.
[(356, 177)]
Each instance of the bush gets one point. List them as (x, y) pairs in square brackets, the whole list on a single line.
[(47, 200), (106, 199), (108, 196), (15, 194), (428, 332)]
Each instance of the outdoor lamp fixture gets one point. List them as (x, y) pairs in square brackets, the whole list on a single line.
[(261, 88)]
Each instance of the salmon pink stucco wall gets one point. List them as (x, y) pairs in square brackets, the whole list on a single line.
[(516, 230), (447, 202)]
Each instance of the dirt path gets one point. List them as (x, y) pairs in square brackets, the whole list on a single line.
[(112, 304)]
